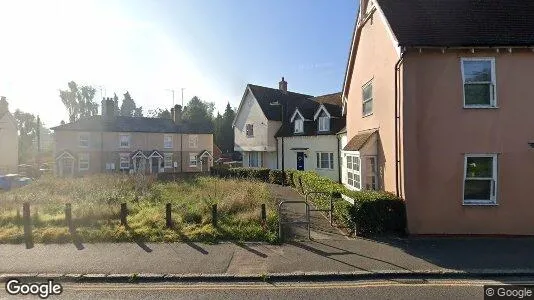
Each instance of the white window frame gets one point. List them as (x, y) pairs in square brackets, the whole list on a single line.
[(324, 124), (82, 140), (84, 162), (493, 82), (493, 179), (364, 101), (319, 160), (193, 161), (121, 162), (129, 137), (168, 142), (167, 160), (249, 133), (193, 141), (299, 125), (257, 160), (352, 171)]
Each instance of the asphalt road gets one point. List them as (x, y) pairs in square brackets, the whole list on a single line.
[(387, 289)]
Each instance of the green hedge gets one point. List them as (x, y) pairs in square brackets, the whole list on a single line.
[(373, 212)]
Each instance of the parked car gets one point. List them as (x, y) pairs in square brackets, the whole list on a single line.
[(10, 181), (5, 183)]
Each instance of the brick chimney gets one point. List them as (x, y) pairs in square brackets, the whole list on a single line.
[(176, 113), (282, 85), (108, 109)]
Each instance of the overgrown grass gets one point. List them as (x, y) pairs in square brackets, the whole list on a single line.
[(96, 206)]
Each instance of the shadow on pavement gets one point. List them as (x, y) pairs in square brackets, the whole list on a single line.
[(251, 250), (463, 253), (189, 243), (76, 240), (137, 240)]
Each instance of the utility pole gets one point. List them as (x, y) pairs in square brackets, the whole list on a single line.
[(183, 98), (172, 91)]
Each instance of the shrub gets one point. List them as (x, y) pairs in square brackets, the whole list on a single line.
[(276, 176)]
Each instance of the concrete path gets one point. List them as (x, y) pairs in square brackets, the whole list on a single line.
[(319, 224), (354, 255)]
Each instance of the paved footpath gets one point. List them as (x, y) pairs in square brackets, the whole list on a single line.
[(329, 256)]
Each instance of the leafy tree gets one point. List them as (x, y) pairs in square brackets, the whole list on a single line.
[(128, 107), (116, 103), (159, 113), (227, 129), (198, 111), (79, 101), (27, 127), (218, 129)]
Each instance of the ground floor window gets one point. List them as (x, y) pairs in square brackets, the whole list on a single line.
[(124, 161), (353, 172), (480, 179), (83, 161), (325, 160), (253, 159), (167, 160), (192, 160)]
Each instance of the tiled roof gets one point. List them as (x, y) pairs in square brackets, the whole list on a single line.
[(133, 124), (265, 96), (358, 141), (460, 22)]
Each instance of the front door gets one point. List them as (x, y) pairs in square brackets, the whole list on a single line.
[(300, 161), (155, 165)]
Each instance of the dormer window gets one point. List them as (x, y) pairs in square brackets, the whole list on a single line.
[(299, 125), (324, 122)]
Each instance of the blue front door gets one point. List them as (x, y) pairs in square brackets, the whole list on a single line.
[(300, 161)]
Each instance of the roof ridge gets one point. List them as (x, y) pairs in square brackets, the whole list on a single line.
[(275, 89)]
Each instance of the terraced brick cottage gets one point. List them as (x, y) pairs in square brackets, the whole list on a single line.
[(439, 94), (110, 143), (308, 133)]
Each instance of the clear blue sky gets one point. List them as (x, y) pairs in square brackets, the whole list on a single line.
[(211, 48)]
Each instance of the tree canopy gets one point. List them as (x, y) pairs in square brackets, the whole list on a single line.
[(79, 101), (129, 108)]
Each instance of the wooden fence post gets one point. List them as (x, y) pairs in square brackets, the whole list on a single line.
[(68, 216), (124, 213), (214, 215), (27, 225), (263, 215), (168, 215)]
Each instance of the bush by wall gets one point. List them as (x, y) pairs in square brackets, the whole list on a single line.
[(373, 212)]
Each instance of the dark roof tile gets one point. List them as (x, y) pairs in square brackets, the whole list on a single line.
[(358, 141), (456, 23)]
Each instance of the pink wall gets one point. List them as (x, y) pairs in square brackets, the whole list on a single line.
[(375, 60), (438, 131)]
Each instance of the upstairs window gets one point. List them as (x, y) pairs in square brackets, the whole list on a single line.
[(167, 141), (84, 140), (479, 82), (249, 128), (124, 140), (299, 125), (324, 122), (367, 99), (193, 141)]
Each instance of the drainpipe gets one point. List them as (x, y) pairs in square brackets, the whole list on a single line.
[(397, 120), (339, 158), (181, 153)]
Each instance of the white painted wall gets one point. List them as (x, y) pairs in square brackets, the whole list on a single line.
[(9, 146), (321, 143), (251, 113), (343, 140), (370, 148)]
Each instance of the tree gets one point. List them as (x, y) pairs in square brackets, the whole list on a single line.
[(28, 127), (218, 130), (116, 104), (79, 101), (128, 107), (159, 113), (227, 129), (199, 112)]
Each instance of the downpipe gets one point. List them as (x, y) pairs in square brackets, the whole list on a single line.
[(397, 120)]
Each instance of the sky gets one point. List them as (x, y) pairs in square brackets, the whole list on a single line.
[(211, 48)]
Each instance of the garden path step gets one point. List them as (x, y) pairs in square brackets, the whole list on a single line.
[(320, 228)]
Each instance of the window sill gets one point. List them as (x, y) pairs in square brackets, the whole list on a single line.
[(477, 203), (480, 107), (367, 115)]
